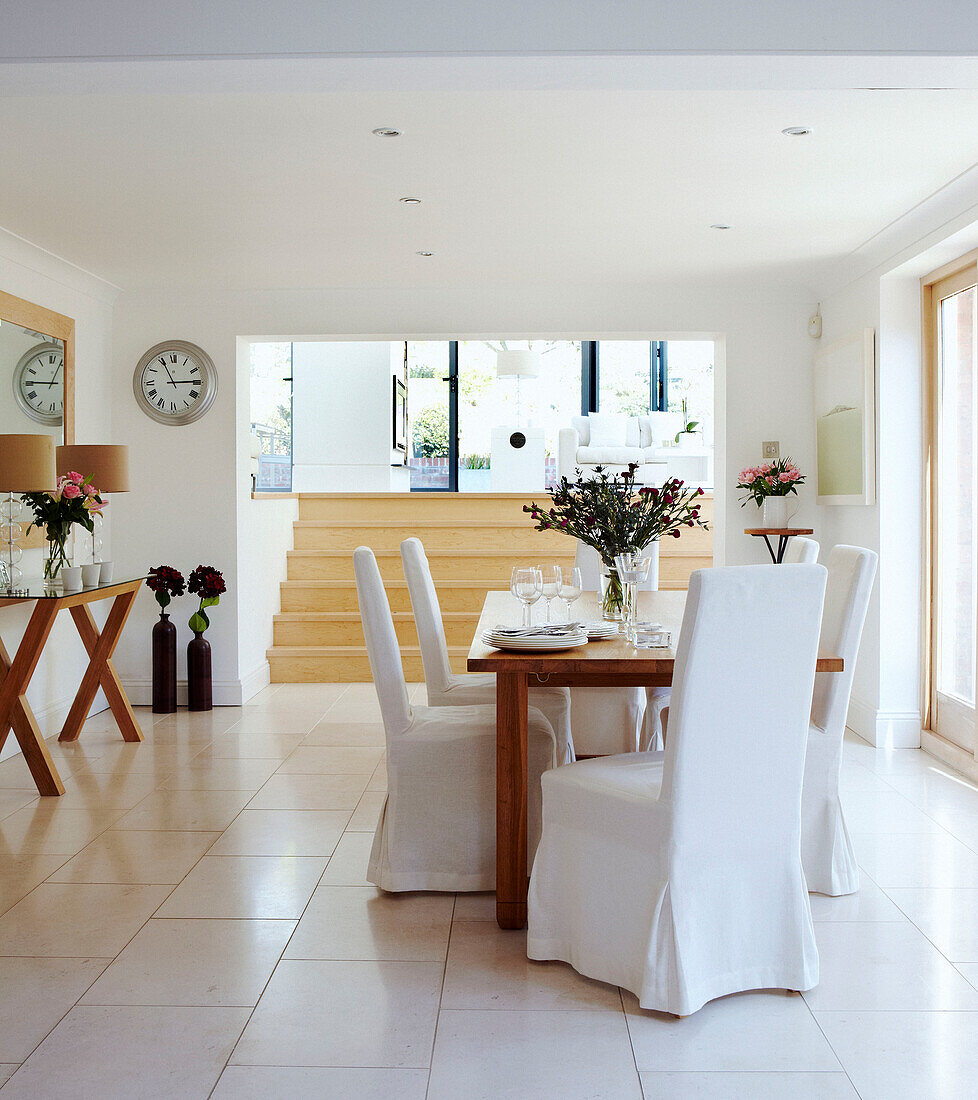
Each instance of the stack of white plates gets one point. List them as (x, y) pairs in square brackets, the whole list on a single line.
[(600, 630), (536, 641)]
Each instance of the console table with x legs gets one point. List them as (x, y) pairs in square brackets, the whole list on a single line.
[(15, 674)]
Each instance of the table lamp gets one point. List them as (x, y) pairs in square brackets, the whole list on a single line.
[(26, 466), (107, 465), (511, 363)]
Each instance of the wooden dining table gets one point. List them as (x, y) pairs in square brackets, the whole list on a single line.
[(609, 663)]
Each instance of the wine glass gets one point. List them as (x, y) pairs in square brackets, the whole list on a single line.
[(527, 586), (633, 571), (551, 585), (570, 588)]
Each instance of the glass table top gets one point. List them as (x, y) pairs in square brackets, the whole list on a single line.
[(36, 588)]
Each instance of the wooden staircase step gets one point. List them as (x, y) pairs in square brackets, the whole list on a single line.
[(495, 566), (341, 595), (415, 508), (344, 664), (516, 537), (343, 628)]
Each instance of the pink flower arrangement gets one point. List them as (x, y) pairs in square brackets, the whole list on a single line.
[(73, 500), (770, 479)]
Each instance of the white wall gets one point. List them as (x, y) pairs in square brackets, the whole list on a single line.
[(342, 401), (31, 273), (192, 504)]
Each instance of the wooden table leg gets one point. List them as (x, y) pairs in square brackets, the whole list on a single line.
[(15, 675), (100, 671), (511, 737)]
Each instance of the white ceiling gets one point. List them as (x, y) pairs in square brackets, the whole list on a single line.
[(573, 187)]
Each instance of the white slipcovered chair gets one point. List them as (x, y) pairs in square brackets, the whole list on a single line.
[(678, 875), (612, 441), (437, 830), (448, 689), (605, 720), (800, 551), (830, 863)]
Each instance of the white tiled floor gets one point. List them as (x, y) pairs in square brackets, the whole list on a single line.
[(192, 920)]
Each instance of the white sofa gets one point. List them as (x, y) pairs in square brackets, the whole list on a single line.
[(643, 437)]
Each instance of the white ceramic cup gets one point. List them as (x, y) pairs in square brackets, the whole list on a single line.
[(71, 578), (91, 574), (106, 572)]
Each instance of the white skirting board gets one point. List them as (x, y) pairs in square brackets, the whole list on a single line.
[(226, 693), (894, 729)]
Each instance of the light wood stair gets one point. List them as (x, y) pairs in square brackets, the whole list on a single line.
[(472, 540)]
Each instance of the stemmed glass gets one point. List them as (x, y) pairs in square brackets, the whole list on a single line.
[(551, 585), (633, 571), (570, 588), (527, 586)]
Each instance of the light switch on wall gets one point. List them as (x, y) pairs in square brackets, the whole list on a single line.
[(771, 450)]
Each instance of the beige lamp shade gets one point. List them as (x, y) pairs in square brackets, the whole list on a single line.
[(107, 464), (26, 463), (512, 363)]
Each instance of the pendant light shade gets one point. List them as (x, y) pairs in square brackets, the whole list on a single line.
[(517, 364), (107, 464)]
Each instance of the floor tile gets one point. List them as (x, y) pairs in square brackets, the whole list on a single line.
[(538, 1055), (916, 860), (947, 917), (163, 1053), (341, 922), (14, 798), (376, 1014), (309, 1083), (309, 792), (37, 992), (220, 775), (354, 734), (252, 887), (9, 1069), (886, 966), (331, 760), (885, 812), (488, 968), (348, 864), (196, 725), (19, 876), (93, 920), (357, 704), (106, 790), (194, 962), (768, 1031), (906, 1055), (47, 828), (367, 813), (938, 788), (969, 970), (868, 903), (249, 746), (181, 810), (748, 1086), (137, 855), (149, 757), (475, 907), (282, 833), (378, 781)]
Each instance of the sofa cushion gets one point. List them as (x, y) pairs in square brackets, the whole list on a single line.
[(608, 430), (617, 456)]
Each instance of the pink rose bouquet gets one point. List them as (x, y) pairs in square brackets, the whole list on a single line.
[(73, 501), (770, 479)]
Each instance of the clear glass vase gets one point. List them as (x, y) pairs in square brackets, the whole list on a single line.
[(57, 555), (612, 595)]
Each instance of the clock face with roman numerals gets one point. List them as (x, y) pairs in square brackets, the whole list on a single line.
[(175, 382), (39, 383)]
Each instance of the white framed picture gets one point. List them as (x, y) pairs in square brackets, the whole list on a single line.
[(845, 420)]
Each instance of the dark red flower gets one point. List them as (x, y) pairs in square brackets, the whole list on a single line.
[(164, 578), (206, 582)]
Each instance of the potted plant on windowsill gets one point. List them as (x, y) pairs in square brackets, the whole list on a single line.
[(607, 512), (769, 486)]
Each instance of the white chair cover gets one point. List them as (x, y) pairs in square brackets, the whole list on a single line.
[(604, 720), (448, 689), (678, 875), (437, 830), (800, 551), (830, 863)]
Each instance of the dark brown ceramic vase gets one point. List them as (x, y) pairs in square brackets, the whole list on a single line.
[(199, 673), (164, 666)]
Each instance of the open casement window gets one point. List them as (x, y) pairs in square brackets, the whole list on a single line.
[(951, 336)]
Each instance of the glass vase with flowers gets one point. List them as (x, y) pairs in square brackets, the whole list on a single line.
[(74, 501), (609, 512)]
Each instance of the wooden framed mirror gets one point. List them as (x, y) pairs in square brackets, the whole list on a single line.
[(37, 375)]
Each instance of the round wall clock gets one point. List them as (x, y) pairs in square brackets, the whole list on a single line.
[(39, 383), (175, 382)]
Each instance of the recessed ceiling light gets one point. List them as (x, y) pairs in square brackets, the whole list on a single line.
[(422, 253), (408, 201), (719, 225), (795, 131), (386, 131)]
